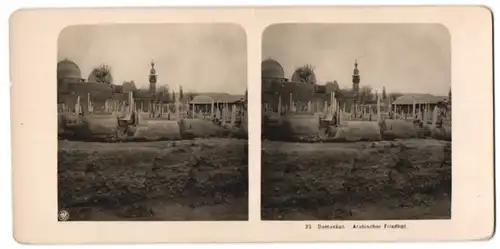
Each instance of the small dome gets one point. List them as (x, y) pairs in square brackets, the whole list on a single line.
[(68, 69), (272, 69), (356, 70), (152, 71)]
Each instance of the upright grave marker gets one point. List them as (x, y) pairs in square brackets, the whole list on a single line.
[(434, 117), (130, 102), (77, 106), (233, 115), (212, 109), (177, 107), (89, 103), (414, 109), (424, 114), (193, 111), (279, 105), (378, 109)]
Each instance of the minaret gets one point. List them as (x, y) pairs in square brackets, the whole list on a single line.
[(152, 79), (355, 79)]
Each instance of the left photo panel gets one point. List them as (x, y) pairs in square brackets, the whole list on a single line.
[(152, 122)]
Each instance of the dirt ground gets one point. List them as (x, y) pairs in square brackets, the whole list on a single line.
[(402, 179), (200, 179)]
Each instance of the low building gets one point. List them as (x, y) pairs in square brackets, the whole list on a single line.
[(406, 102), (204, 102)]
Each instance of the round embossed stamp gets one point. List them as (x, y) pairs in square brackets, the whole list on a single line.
[(63, 215)]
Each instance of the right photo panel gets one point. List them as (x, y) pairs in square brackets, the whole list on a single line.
[(356, 122)]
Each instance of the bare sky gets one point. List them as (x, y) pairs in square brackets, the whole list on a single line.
[(200, 57), (407, 58)]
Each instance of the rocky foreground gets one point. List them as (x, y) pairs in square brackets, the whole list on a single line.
[(401, 179), (201, 179)]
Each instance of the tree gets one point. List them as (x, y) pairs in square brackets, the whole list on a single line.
[(332, 86), (449, 95), (394, 96), (164, 91), (163, 88), (173, 96), (304, 74), (190, 96), (384, 94), (101, 74), (181, 93), (366, 93), (246, 95), (336, 85), (129, 86)]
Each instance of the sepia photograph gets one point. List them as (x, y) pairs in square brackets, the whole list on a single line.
[(168, 131), (356, 122), (152, 122)]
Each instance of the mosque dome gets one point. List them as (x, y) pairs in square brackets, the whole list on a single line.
[(272, 69), (68, 69)]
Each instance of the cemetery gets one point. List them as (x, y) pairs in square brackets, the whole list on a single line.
[(96, 113), (126, 122), (333, 123), (136, 155), (303, 111), (327, 155)]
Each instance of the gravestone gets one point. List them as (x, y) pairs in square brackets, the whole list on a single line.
[(77, 106), (424, 114), (434, 117), (279, 104), (378, 109), (212, 110), (233, 115), (414, 110)]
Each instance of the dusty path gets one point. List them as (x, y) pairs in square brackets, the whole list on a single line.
[(402, 179), (201, 179)]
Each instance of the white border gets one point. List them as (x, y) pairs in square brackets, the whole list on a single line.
[(8, 7)]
